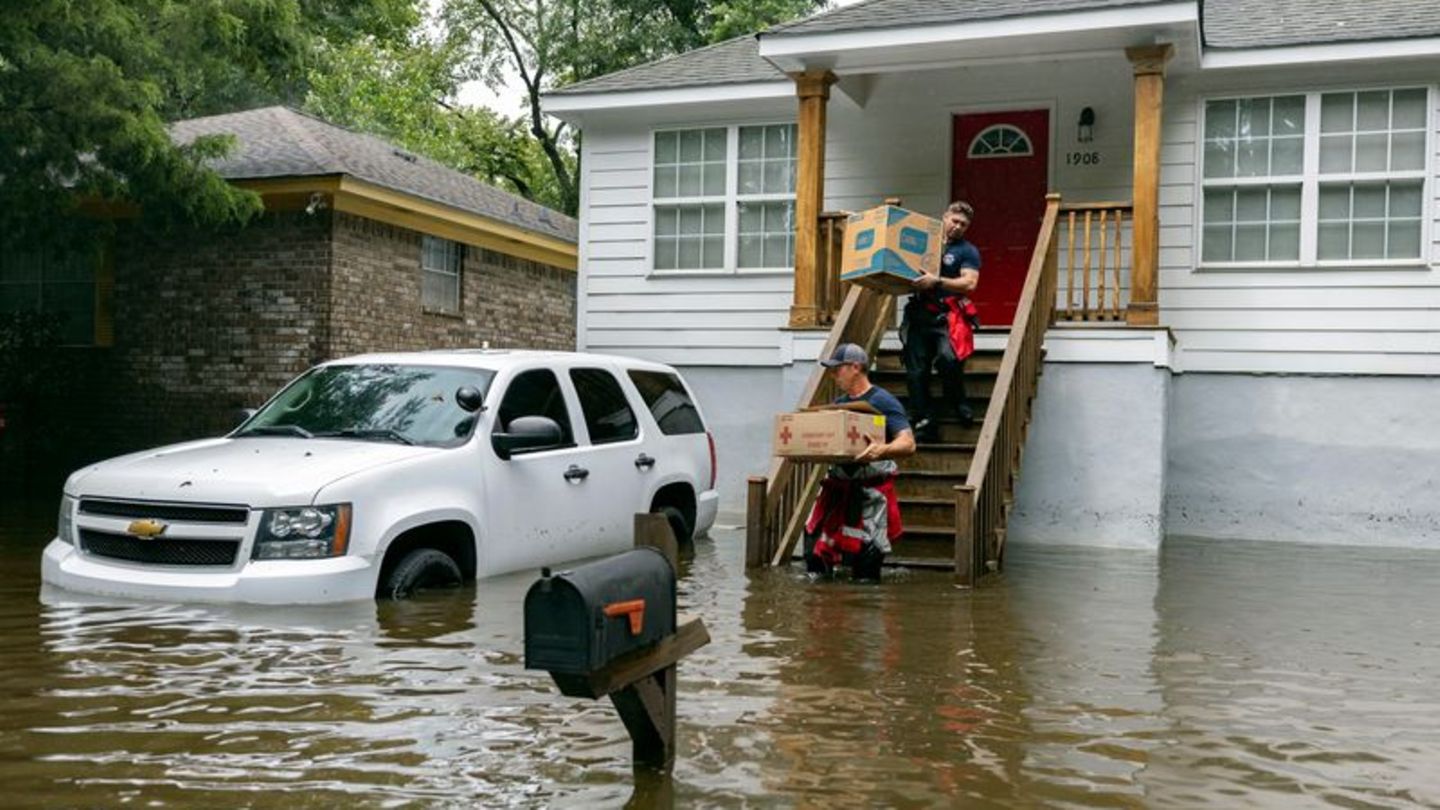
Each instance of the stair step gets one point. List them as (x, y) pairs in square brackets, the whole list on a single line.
[(934, 548), (947, 457), (984, 361), (928, 511), (930, 530), (928, 483), (977, 388)]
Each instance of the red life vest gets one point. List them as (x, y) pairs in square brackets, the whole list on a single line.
[(827, 518), (960, 312)]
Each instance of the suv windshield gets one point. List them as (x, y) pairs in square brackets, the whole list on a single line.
[(382, 403)]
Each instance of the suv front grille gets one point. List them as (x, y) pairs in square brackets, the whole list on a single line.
[(178, 512), (160, 550)]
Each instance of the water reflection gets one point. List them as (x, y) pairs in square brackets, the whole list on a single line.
[(1297, 676), (1221, 674)]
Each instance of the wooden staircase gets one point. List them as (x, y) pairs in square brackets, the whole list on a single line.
[(928, 478), (955, 494)]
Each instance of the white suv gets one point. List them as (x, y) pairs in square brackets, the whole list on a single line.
[(375, 475)]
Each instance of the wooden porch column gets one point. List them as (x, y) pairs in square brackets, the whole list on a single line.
[(813, 89), (1149, 65)]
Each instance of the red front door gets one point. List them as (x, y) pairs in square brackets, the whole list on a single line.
[(999, 166)]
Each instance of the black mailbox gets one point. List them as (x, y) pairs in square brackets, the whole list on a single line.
[(578, 621)]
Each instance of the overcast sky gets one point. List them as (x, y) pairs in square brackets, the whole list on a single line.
[(510, 101)]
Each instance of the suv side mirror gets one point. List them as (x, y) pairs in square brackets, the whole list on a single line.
[(469, 398), (242, 415), (526, 433)]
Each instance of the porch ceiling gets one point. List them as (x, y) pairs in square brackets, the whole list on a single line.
[(1050, 36)]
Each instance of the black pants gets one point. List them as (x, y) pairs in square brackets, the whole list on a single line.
[(927, 344)]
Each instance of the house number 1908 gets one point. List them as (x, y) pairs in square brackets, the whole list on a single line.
[(1082, 158)]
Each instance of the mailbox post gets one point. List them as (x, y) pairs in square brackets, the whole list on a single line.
[(610, 628)]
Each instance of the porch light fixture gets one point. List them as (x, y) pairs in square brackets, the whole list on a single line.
[(1086, 130)]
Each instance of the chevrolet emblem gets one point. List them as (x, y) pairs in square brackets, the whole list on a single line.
[(146, 528)]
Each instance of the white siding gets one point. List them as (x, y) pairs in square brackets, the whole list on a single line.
[(1356, 321), (1331, 321), (898, 145)]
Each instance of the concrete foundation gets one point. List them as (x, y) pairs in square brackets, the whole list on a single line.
[(1346, 460), (1094, 468), (1121, 454)]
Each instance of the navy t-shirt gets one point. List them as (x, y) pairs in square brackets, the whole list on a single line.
[(957, 256), (886, 403)]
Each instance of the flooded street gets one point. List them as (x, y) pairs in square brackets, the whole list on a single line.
[(1216, 675)]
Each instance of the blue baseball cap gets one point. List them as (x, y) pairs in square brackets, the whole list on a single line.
[(847, 353)]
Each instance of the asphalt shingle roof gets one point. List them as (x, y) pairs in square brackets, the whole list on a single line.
[(280, 142), (1226, 24), (734, 61), (870, 14), (1271, 23)]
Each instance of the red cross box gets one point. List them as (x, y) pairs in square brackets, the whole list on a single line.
[(826, 435)]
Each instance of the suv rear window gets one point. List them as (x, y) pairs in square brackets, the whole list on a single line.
[(668, 400), (607, 414)]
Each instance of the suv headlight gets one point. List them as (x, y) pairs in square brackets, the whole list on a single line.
[(65, 525), (303, 533)]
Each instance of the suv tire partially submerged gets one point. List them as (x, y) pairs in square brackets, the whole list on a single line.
[(421, 569)]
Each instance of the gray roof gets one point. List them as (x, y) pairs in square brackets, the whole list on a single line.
[(1226, 23), (734, 61), (870, 14), (276, 142), (1271, 23)]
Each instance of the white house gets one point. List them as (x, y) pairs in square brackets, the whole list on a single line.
[(1261, 361)]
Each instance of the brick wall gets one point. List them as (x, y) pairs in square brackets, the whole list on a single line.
[(512, 303), (206, 323)]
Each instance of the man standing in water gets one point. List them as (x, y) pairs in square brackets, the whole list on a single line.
[(939, 327), (857, 515)]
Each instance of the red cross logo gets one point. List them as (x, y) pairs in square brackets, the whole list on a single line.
[(785, 435), (853, 435)]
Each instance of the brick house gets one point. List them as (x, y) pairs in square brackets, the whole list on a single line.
[(362, 247)]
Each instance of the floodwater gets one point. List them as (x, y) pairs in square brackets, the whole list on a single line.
[(1214, 675)]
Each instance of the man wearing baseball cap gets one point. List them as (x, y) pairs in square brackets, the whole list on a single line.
[(857, 516)]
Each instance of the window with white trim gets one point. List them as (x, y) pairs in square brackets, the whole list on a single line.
[(724, 198), (441, 262), (765, 197), (1314, 179)]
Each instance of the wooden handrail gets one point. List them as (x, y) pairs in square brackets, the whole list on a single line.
[(1094, 289), (777, 505), (981, 502)]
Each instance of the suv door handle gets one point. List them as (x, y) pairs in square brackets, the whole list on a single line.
[(644, 462), (576, 473)]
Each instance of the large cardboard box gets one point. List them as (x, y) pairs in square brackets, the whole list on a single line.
[(886, 248), (829, 434)]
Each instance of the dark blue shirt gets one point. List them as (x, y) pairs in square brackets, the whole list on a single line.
[(886, 403), (957, 256)]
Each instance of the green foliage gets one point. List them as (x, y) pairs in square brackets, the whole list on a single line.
[(549, 44), (402, 92), (732, 18), (86, 87)]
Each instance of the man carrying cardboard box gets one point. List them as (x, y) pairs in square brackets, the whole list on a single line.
[(938, 327), (857, 515)]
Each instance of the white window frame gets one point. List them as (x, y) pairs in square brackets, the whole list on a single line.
[(1311, 179), (731, 202), (455, 249)]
